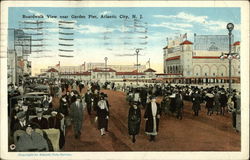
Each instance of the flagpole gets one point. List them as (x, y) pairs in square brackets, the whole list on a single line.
[(59, 71), (149, 62)]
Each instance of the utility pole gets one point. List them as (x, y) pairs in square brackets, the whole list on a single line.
[(106, 59), (16, 78), (137, 65), (149, 62)]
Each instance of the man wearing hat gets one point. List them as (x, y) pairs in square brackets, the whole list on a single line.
[(31, 141), (76, 115), (15, 110), (152, 117), (55, 122), (40, 121), (88, 101), (22, 122)]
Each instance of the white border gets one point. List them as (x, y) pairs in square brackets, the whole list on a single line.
[(244, 5)]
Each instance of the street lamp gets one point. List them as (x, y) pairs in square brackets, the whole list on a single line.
[(106, 59), (230, 27), (230, 56)]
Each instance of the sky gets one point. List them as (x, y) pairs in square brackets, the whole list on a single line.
[(117, 38)]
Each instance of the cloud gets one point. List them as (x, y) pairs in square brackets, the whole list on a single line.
[(105, 12), (204, 21), (85, 29), (172, 24), (180, 27), (36, 12), (219, 25), (184, 16)]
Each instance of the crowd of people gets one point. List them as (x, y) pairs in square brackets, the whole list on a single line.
[(155, 99)]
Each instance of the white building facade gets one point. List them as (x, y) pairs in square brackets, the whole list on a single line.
[(197, 63)]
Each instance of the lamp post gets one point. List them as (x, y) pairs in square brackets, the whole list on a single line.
[(106, 59), (230, 56), (230, 27)]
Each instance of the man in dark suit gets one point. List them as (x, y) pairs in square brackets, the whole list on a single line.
[(88, 101), (40, 121), (143, 96), (152, 117), (76, 115), (22, 122)]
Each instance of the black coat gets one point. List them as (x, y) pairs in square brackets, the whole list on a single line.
[(88, 97), (210, 102), (96, 99), (42, 124), (178, 103), (148, 114), (196, 99), (134, 120), (102, 117), (17, 126), (55, 122), (223, 100), (64, 108)]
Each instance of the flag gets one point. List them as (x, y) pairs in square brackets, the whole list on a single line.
[(184, 36)]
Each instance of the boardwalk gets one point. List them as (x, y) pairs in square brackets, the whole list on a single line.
[(203, 133)]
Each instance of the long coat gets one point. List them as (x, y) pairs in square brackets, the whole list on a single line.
[(165, 104), (42, 124), (63, 108), (216, 102), (76, 113), (134, 120), (150, 122), (223, 100), (102, 117), (178, 103), (209, 100), (196, 99), (96, 99)]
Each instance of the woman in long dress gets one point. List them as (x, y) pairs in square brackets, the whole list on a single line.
[(102, 113), (134, 121)]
